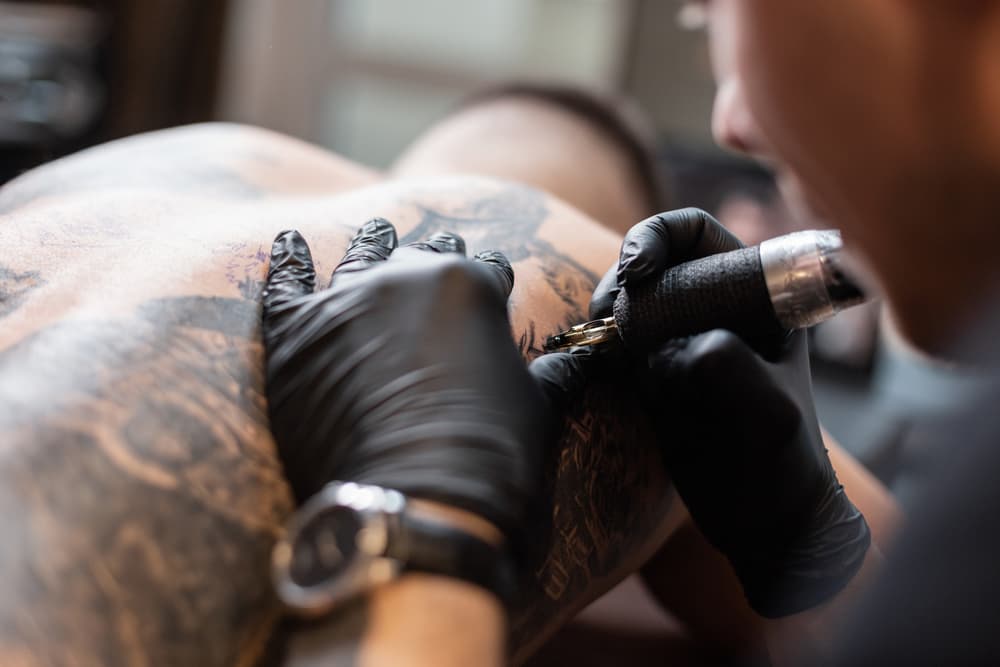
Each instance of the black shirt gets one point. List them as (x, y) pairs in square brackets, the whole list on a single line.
[(937, 601)]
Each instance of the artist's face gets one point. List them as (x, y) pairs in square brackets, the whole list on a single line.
[(819, 91)]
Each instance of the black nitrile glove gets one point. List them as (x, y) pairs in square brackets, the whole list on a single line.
[(741, 439), (657, 244), (404, 374)]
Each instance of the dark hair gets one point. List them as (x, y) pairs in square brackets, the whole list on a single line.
[(618, 119)]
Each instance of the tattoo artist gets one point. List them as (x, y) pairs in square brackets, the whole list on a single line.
[(402, 374)]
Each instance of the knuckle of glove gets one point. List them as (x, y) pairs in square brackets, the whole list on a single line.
[(712, 357), (720, 374), (718, 238), (686, 226), (696, 231), (649, 236), (691, 217), (468, 282)]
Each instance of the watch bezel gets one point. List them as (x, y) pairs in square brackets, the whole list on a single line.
[(377, 510)]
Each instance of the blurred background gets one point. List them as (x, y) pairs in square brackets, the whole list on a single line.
[(364, 77)]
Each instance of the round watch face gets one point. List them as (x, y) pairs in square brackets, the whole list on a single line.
[(325, 546)]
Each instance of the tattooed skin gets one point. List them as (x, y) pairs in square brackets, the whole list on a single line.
[(140, 489), (143, 493), (591, 519), (14, 287), (509, 221)]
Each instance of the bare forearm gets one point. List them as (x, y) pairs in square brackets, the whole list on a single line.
[(419, 620), (807, 637)]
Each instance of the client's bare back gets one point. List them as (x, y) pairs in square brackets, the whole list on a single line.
[(141, 491)]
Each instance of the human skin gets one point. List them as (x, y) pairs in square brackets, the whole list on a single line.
[(141, 488), (893, 139), (137, 278)]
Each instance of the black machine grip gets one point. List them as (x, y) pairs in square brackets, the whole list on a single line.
[(724, 291)]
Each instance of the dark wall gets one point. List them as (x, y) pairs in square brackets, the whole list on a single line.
[(162, 63), (154, 63)]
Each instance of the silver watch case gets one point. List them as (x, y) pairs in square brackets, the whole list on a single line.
[(378, 511)]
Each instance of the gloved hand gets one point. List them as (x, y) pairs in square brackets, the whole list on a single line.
[(740, 437), (404, 374)]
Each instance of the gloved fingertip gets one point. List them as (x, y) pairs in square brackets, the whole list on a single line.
[(379, 231), (494, 256), (448, 242), (442, 243), (291, 272), (289, 251), (286, 242), (502, 269), (644, 252), (373, 244)]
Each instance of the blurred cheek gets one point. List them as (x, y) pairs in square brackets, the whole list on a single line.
[(805, 212)]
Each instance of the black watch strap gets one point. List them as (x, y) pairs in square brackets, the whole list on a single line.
[(423, 545)]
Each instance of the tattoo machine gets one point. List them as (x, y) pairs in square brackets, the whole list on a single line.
[(786, 283)]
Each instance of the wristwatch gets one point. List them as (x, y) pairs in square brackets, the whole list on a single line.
[(350, 538)]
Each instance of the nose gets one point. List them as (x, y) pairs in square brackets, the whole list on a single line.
[(732, 125)]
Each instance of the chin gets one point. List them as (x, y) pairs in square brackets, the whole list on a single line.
[(803, 207)]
